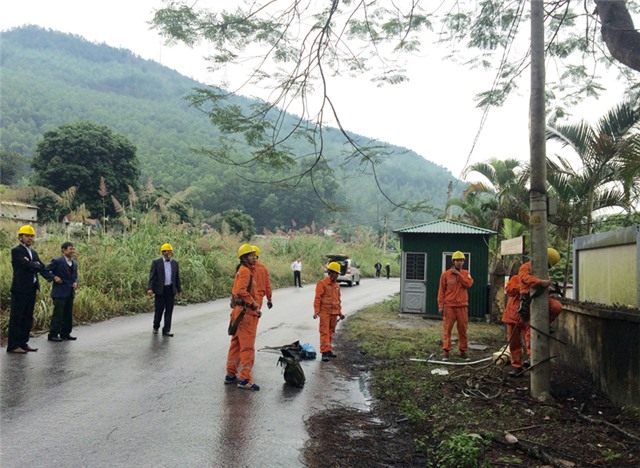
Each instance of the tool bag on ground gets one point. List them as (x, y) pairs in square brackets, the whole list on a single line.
[(290, 360)]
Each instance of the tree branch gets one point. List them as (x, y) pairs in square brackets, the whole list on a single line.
[(619, 33)]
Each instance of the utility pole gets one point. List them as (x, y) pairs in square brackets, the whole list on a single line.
[(384, 235), (449, 193), (540, 375)]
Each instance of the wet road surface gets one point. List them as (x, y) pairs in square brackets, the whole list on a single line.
[(121, 396)]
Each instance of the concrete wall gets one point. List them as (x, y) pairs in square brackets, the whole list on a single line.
[(18, 211), (603, 343)]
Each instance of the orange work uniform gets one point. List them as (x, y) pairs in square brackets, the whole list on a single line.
[(327, 306), (516, 328), (242, 348), (528, 281), (453, 300), (262, 283)]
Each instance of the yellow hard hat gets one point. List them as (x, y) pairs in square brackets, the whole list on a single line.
[(553, 256), (457, 255), (27, 229), (245, 249), (334, 266), (256, 250), (166, 247)]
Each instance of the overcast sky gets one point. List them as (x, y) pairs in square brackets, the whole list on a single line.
[(433, 114)]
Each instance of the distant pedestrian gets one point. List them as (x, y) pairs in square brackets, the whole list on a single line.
[(297, 271), (24, 285), (387, 269), (453, 303), (378, 267), (164, 282), (326, 305), (65, 282)]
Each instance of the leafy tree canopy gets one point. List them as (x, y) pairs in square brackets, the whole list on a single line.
[(78, 155), (293, 49), (238, 222)]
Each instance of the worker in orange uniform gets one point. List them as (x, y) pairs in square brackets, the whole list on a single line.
[(262, 280), (453, 303), (529, 284), (517, 329), (244, 316), (327, 306)]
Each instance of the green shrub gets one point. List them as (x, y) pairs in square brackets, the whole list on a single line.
[(460, 451)]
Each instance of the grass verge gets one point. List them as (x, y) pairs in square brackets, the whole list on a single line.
[(461, 419)]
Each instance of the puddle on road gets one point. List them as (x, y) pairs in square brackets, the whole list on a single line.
[(363, 386)]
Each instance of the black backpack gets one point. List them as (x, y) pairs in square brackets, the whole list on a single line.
[(290, 360)]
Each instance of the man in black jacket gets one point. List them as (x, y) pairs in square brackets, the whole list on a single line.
[(164, 282), (65, 281), (26, 267)]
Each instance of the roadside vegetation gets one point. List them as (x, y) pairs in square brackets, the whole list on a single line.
[(462, 419), (114, 268)]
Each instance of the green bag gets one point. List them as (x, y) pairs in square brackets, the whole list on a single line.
[(293, 373)]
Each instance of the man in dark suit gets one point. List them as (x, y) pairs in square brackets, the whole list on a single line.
[(26, 267), (164, 282), (65, 281)]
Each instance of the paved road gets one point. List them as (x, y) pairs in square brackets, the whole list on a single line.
[(121, 396)]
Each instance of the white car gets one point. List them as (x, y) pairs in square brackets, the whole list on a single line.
[(349, 270)]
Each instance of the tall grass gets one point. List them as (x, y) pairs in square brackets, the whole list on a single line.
[(114, 269)]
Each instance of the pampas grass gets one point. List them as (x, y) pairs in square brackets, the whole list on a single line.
[(114, 268)]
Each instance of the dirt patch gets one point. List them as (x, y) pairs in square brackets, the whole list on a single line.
[(581, 427)]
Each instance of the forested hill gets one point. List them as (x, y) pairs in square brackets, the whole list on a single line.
[(51, 78)]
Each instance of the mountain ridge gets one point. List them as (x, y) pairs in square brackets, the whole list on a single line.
[(52, 78)]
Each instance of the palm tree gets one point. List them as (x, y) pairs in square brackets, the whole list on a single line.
[(476, 208), (609, 153), (506, 192)]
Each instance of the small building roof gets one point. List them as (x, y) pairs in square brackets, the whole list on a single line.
[(18, 204), (444, 227)]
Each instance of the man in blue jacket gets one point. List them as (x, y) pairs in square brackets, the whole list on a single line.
[(65, 281)]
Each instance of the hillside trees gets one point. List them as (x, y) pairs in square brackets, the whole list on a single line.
[(52, 79), (265, 127), (12, 166), (78, 155)]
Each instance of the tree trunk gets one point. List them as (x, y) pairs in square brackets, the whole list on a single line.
[(618, 32), (540, 375), (496, 294)]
